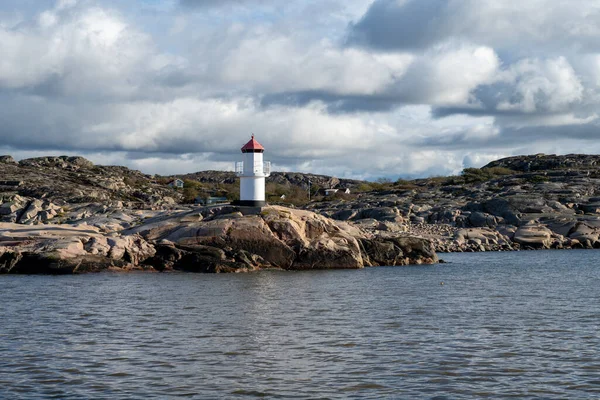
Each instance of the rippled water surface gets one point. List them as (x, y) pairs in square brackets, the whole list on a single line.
[(522, 325)]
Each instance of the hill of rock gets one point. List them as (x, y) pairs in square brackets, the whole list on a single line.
[(543, 162), (219, 239), (524, 202), (73, 180), (287, 179)]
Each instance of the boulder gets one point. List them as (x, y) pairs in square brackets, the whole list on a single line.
[(7, 160), (31, 212), (344, 215), (585, 235), (590, 208), (479, 219), (533, 236), (498, 207), (278, 237), (9, 208), (401, 250), (480, 236), (390, 214), (61, 249)]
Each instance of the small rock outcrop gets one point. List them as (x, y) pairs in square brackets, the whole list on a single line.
[(46, 249), (76, 180), (210, 240), (7, 160), (277, 238)]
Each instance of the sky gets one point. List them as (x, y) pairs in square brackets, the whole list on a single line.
[(351, 88)]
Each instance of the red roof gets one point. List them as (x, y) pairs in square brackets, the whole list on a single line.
[(252, 145)]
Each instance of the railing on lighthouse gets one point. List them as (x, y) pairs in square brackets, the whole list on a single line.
[(266, 168)]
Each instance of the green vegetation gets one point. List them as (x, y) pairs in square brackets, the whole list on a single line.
[(537, 179), (404, 184), (442, 180), (365, 187), (294, 195), (229, 190), (134, 182), (476, 175), (191, 190)]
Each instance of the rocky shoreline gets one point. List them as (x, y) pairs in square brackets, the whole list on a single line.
[(518, 203), (210, 240), (66, 215), (509, 238)]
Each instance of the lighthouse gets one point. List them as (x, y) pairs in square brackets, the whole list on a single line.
[(252, 172)]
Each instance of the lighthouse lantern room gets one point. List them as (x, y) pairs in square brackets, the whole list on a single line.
[(252, 172)]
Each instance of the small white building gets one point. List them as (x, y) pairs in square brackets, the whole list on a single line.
[(252, 172), (177, 183), (329, 192)]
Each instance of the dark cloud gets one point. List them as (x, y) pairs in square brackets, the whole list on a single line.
[(511, 137), (212, 3), (187, 90), (475, 111), (514, 29), (415, 24), (336, 104)]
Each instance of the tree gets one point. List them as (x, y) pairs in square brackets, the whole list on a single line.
[(191, 190)]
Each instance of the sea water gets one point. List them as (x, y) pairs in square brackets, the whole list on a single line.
[(496, 325)]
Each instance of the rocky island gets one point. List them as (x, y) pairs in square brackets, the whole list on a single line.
[(63, 215), (67, 215), (524, 202)]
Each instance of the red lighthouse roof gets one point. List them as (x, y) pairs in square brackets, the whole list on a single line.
[(253, 147)]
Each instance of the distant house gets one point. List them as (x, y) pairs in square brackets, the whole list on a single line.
[(330, 192), (207, 201), (177, 183)]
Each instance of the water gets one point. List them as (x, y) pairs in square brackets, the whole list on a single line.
[(521, 325)]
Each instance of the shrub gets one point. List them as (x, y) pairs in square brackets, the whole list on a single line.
[(364, 187), (190, 194), (189, 183), (500, 171), (475, 175), (537, 179), (405, 184)]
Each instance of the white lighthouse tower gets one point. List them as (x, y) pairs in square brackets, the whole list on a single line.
[(252, 172)]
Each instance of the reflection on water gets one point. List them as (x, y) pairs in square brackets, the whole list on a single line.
[(522, 325)]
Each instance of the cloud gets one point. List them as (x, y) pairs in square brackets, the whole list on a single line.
[(534, 25), (445, 75), (216, 3), (78, 51), (356, 88), (407, 25), (448, 74), (529, 87), (540, 85)]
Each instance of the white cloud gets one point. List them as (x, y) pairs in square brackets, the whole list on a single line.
[(178, 91), (447, 74), (541, 85), (524, 27), (267, 61), (77, 51)]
